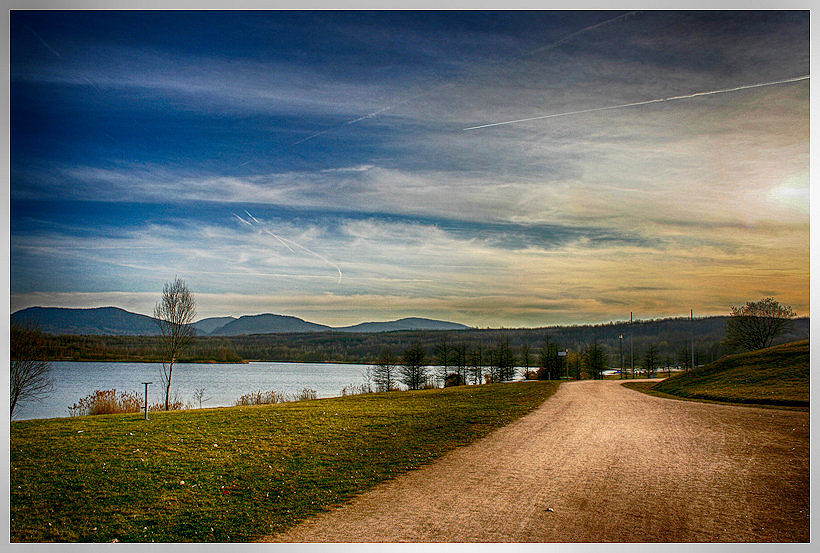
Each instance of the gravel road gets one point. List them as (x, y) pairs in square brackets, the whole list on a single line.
[(598, 462)]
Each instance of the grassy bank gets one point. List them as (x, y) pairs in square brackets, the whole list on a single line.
[(775, 376), (233, 474)]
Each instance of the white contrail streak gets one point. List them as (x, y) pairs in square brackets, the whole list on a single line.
[(286, 241), (254, 219), (279, 238), (445, 85), (243, 220), (642, 103), (573, 35)]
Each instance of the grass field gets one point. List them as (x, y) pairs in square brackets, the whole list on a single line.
[(775, 376), (233, 474)]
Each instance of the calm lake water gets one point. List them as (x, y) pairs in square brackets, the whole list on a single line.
[(223, 383)]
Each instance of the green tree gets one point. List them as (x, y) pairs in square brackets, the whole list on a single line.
[(756, 324), (174, 314), (413, 370)]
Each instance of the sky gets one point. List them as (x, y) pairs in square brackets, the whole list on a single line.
[(497, 169)]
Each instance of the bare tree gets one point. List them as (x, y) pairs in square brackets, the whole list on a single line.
[(477, 363), (650, 361), (199, 395), (442, 355), (526, 359), (384, 372), (413, 370), (29, 373), (595, 359), (174, 314), (460, 360), (756, 324)]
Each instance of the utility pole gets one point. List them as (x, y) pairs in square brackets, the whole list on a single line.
[(692, 320), (631, 354)]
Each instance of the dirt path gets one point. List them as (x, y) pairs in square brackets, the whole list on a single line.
[(612, 464)]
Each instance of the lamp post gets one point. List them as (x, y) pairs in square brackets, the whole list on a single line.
[(146, 398), (621, 353), (631, 355), (692, 324)]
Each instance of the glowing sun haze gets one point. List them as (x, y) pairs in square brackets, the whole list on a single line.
[(317, 164)]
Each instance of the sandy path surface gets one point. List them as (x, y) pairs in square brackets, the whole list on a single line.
[(612, 464)]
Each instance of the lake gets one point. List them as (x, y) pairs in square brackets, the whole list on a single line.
[(223, 383)]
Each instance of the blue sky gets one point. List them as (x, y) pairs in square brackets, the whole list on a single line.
[(316, 164)]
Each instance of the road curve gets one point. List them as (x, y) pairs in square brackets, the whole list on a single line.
[(598, 462)]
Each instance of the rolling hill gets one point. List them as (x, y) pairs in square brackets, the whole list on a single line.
[(119, 322), (266, 323), (777, 375), (98, 320), (206, 326), (409, 323)]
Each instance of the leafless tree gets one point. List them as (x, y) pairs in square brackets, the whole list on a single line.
[(199, 395), (174, 314), (29, 373), (385, 371), (413, 371), (756, 324)]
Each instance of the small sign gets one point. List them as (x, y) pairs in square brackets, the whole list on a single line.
[(562, 353)]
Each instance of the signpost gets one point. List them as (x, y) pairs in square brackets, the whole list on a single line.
[(146, 398), (564, 354)]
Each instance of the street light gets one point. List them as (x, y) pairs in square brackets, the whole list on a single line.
[(621, 353)]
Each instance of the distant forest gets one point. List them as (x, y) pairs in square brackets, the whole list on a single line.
[(671, 337)]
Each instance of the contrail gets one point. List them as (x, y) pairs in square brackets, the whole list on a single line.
[(445, 85), (41, 39), (575, 34), (254, 219), (286, 241), (642, 103)]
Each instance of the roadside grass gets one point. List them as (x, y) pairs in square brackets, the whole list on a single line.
[(647, 388), (237, 473), (776, 376)]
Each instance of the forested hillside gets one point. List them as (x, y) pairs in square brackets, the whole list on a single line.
[(671, 338)]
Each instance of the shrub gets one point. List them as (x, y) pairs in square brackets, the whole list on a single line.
[(261, 398), (453, 379), (106, 402), (175, 405), (355, 390), (305, 394), (542, 374)]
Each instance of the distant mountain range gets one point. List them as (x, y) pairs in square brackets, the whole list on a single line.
[(116, 321)]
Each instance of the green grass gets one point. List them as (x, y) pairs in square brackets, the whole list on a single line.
[(774, 376), (234, 474)]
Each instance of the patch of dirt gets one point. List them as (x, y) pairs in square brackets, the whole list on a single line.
[(598, 463)]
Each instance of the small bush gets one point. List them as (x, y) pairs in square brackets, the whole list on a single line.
[(106, 402), (261, 398), (175, 405), (453, 379), (306, 394), (356, 390)]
